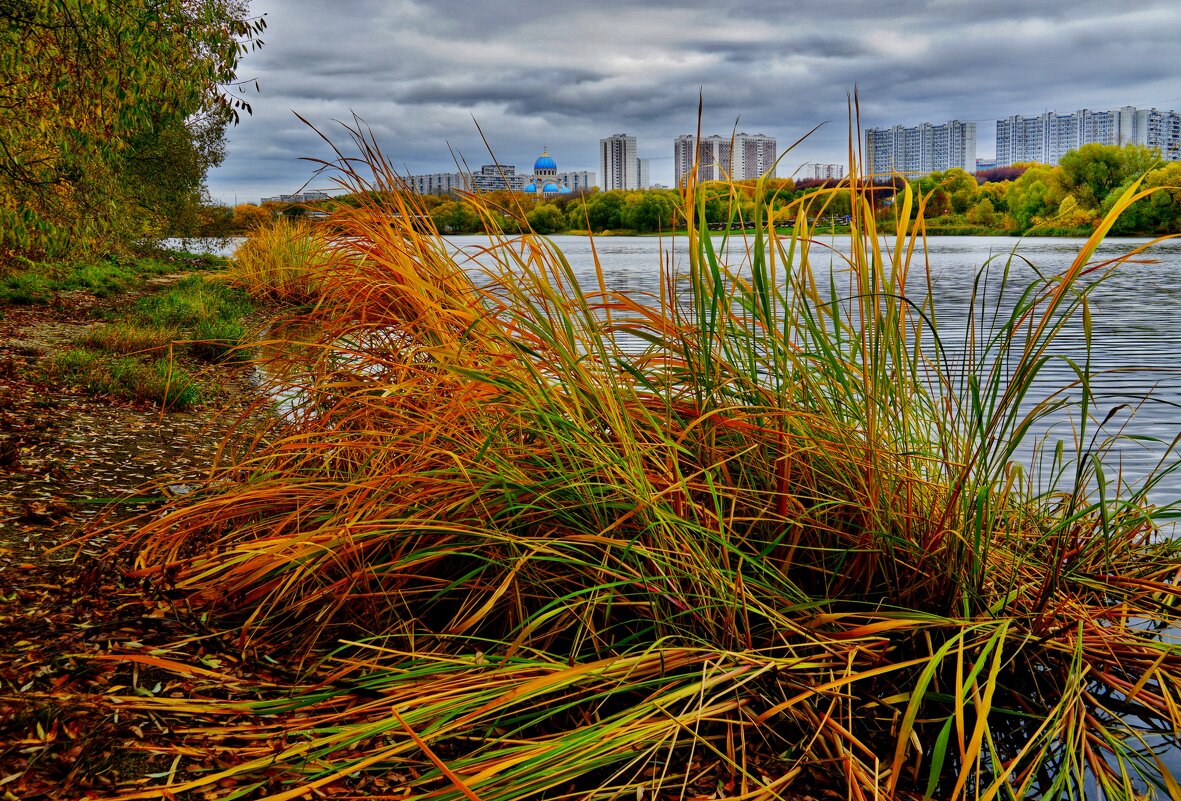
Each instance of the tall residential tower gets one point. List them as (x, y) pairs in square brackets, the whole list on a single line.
[(742, 157), (921, 150), (618, 165)]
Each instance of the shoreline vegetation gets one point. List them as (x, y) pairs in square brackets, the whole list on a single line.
[(470, 547), (449, 539), (119, 378), (1070, 199)]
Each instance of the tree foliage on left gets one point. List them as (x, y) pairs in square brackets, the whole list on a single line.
[(110, 115)]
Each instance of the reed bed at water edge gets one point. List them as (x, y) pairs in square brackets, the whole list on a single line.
[(281, 261), (784, 544)]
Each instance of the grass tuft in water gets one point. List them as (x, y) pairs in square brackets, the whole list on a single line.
[(283, 261)]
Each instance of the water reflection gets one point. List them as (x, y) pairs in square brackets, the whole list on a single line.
[(213, 245)]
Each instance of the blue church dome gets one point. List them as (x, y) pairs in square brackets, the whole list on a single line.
[(545, 162), (530, 188), (565, 190), (549, 188)]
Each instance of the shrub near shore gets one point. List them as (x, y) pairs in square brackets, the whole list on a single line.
[(784, 545), (282, 261)]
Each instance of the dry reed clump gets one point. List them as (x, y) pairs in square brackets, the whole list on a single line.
[(283, 260), (782, 544)]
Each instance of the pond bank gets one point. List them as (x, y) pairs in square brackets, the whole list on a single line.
[(69, 620)]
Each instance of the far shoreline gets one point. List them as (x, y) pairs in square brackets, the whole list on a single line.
[(846, 231)]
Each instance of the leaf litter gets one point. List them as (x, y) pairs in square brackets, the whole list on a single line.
[(79, 642)]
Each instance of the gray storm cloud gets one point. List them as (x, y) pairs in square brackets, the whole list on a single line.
[(564, 74)]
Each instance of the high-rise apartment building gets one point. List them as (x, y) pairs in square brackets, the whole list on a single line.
[(923, 149), (618, 164), (1161, 129), (741, 157), (1047, 137)]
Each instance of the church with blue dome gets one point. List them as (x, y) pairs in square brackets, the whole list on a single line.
[(545, 180)]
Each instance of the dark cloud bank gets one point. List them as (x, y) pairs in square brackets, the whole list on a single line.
[(562, 74)]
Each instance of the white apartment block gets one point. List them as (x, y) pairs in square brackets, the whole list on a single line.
[(823, 172), (577, 181), (493, 177), (645, 167), (921, 150), (618, 163), (490, 177), (1161, 129), (1047, 137), (438, 183), (741, 157)]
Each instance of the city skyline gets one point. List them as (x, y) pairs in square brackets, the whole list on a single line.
[(911, 150), (423, 75)]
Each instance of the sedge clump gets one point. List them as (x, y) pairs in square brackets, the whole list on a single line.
[(785, 542)]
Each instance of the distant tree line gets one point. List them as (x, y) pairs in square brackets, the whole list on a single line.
[(1069, 198), (1066, 199)]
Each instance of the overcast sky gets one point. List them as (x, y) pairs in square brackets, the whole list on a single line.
[(534, 73)]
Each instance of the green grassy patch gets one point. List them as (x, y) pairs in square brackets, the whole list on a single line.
[(37, 282), (133, 353), (158, 380), (132, 356), (216, 340), (202, 316), (125, 336), (192, 300), (209, 313), (26, 289)]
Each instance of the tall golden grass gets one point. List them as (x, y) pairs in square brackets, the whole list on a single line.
[(785, 544), (282, 260)]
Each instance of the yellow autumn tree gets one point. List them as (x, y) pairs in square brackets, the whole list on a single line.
[(102, 103)]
